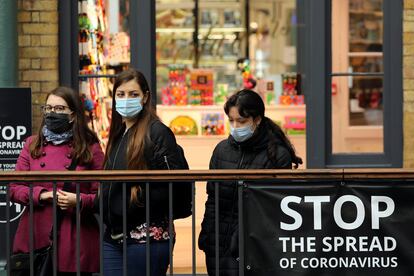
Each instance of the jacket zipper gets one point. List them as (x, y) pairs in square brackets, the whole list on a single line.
[(234, 197), (110, 185), (166, 162)]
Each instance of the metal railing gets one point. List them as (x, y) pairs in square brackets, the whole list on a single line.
[(169, 177)]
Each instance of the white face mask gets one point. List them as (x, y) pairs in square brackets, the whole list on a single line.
[(129, 107), (241, 134)]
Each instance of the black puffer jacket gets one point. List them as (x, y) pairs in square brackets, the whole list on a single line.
[(161, 148), (228, 154)]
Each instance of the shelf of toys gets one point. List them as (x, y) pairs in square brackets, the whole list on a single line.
[(192, 106), (94, 91)]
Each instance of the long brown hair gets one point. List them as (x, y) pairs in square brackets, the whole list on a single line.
[(82, 138), (140, 129), (139, 132)]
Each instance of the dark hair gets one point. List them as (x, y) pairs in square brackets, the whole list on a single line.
[(83, 137), (138, 131), (250, 104)]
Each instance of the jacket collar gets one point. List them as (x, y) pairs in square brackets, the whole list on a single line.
[(257, 142)]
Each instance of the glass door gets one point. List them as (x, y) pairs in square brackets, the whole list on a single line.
[(357, 76)]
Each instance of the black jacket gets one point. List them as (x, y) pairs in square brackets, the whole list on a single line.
[(228, 154), (161, 153)]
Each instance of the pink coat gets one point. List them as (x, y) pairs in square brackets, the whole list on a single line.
[(58, 158)]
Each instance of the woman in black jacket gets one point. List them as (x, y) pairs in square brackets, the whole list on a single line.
[(256, 142), (139, 141)]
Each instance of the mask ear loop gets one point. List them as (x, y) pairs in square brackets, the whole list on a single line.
[(73, 118)]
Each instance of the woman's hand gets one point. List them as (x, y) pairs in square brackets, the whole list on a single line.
[(66, 200), (46, 196)]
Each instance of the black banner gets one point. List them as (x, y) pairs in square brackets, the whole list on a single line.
[(336, 228), (15, 126)]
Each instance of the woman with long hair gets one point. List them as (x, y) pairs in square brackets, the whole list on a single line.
[(138, 141), (63, 142), (255, 142)]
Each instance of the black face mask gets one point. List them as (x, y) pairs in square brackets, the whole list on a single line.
[(57, 123)]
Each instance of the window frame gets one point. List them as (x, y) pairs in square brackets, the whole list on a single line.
[(318, 87)]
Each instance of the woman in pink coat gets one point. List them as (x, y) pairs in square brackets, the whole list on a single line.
[(63, 137)]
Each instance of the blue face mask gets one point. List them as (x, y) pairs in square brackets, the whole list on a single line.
[(129, 107), (241, 134)]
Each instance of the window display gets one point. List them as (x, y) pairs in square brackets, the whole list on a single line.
[(358, 69), (207, 75), (104, 49), (365, 56)]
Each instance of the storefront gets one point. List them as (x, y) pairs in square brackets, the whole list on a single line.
[(330, 72), (342, 58)]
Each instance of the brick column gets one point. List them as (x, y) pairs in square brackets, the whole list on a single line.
[(38, 50)]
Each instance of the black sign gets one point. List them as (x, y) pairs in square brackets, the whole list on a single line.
[(323, 229), (15, 127)]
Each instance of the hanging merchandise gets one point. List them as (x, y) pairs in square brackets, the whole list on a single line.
[(94, 91), (249, 82)]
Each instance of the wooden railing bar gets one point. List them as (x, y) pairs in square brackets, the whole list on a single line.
[(205, 175)]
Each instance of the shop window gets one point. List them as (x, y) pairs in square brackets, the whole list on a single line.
[(357, 70), (104, 51), (207, 50)]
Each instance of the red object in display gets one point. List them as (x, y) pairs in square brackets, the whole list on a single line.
[(175, 93), (334, 89), (202, 85), (295, 122)]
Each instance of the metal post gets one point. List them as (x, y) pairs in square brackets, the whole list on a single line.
[(216, 227), (54, 233), (241, 228), (147, 219), (124, 230), (170, 225), (8, 43), (101, 229), (78, 224), (31, 230), (142, 33), (193, 227), (68, 43), (8, 228)]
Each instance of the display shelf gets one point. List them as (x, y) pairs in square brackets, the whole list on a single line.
[(202, 30), (174, 5), (365, 54), (177, 108), (275, 112), (366, 12), (174, 30), (364, 41), (175, 61)]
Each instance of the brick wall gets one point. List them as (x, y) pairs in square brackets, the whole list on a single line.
[(408, 69), (38, 50)]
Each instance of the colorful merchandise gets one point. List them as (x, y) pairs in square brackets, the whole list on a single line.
[(175, 93), (295, 124), (184, 125), (266, 89), (220, 95), (212, 123), (94, 91), (291, 90), (249, 82), (202, 86), (289, 84)]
